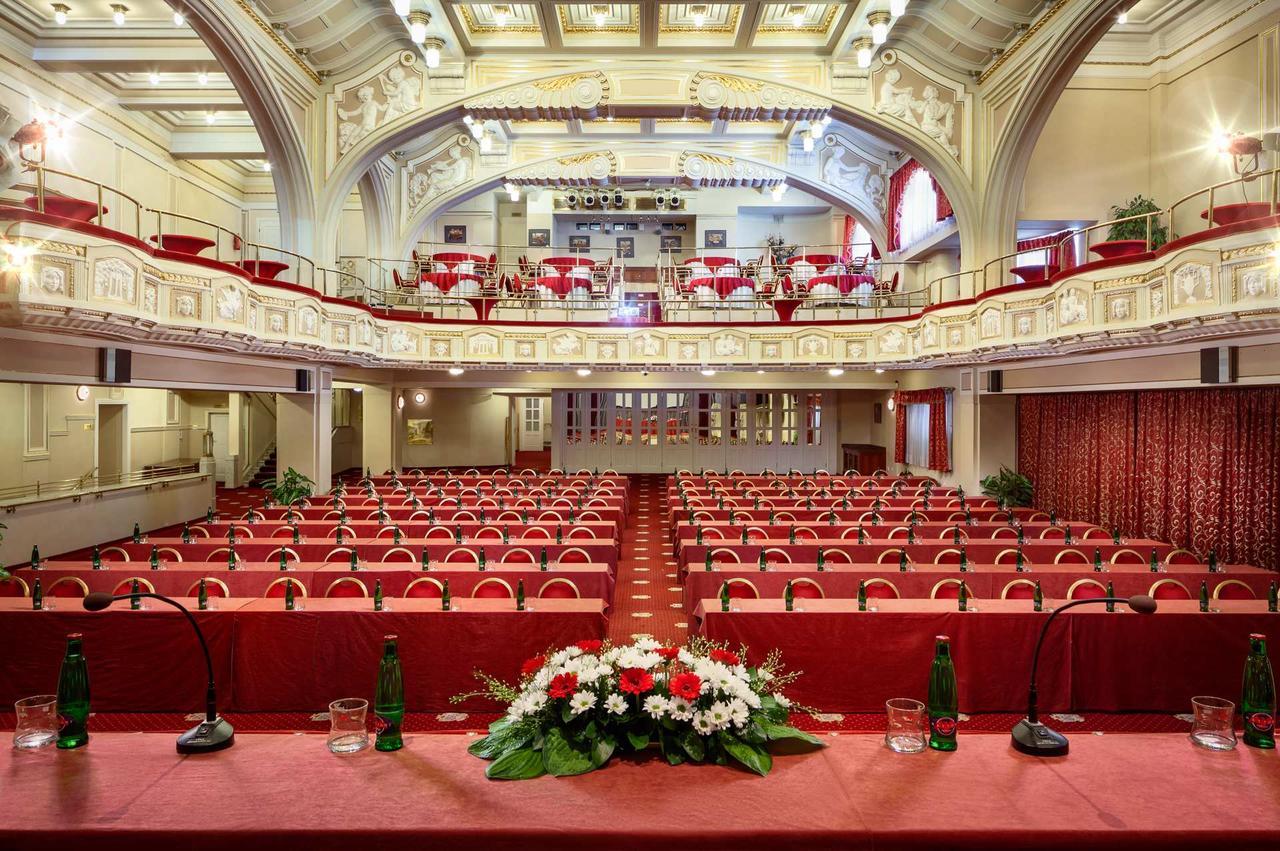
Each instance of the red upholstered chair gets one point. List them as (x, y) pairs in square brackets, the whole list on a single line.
[(337, 555), (282, 532), (1071, 557), (14, 586), (804, 588), (213, 587), (1233, 589), (399, 555), (1181, 556), (777, 554), (346, 586), (882, 589), (724, 555), (744, 589), (892, 555), (1018, 589), (1095, 532), (439, 532), (947, 556), (1010, 556), (1127, 556), (1056, 533), (124, 586), (1169, 589), (490, 533), (574, 555), (68, 586), (834, 556), (425, 586), (462, 555), (804, 533), (517, 555), (113, 554), (559, 589), (222, 554), (289, 555), (276, 588), (493, 588), (1086, 589), (948, 589)]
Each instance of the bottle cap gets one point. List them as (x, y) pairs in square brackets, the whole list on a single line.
[(1253, 636), (390, 637), (945, 638), (76, 636)]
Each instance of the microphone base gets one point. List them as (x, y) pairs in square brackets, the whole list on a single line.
[(207, 737), (1037, 739)]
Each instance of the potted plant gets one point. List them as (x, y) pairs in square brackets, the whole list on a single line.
[(1129, 237), (779, 249), (292, 487), (1010, 487)]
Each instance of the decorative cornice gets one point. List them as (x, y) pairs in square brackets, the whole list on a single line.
[(1022, 40), (280, 42)]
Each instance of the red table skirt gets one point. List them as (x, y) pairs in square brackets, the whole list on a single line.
[(443, 514), (722, 285), (446, 281)]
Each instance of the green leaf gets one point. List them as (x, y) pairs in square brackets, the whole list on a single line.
[(602, 750), (775, 711), (671, 750), (753, 757), (521, 764), (786, 731), (561, 758), (501, 724), (638, 740), (693, 745)]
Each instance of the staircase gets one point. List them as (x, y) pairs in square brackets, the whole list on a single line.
[(265, 477)]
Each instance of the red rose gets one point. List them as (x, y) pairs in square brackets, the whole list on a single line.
[(686, 685), (563, 686), (725, 657), (635, 681), (668, 653), (532, 666), (591, 645)]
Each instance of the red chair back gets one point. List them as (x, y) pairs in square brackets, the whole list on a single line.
[(423, 589), (1020, 591), (558, 591), (353, 588), (1171, 591), (804, 590), (1088, 591), (492, 591)]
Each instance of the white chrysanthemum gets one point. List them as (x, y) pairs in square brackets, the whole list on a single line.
[(581, 702), (615, 703), (558, 658), (573, 666), (611, 655), (703, 724), (680, 709), (515, 711), (782, 699), (751, 699), (542, 679), (647, 643), (573, 651), (765, 675), (738, 713), (655, 705), (534, 701), (719, 714), (686, 658)]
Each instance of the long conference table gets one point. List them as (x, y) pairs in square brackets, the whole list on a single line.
[(1118, 791), (1093, 660), (267, 659)]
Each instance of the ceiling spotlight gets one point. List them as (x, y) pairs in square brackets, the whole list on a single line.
[(178, 19), (759, 372), (660, 200), (118, 12), (500, 14), (401, 7), (892, 403), (796, 13), (1122, 18), (584, 372), (400, 402), (60, 13), (155, 78), (589, 200), (202, 78), (357, 389), (675, 202), (434, 46), (266, 165), (879, 370), (618, 198), (708, 372), (879, 22), (418, 22), (210, 117), (897, 8), (599, 12), (699, 11), (835, 372), (419, 397), (82, 392), (455, 371), (863, 48)]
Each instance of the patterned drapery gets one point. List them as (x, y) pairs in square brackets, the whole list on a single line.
[(939, 439), (1050, 241), (1198, 468), (893, 207)]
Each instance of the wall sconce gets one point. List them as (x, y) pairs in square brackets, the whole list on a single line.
[(82, 393)]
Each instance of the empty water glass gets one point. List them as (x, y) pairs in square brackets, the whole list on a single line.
[(1213, 723), (348, 732), (906, 732), (37, 725)]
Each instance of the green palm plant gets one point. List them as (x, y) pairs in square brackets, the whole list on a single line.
[(1010, 486), (1137, 228), (292, 487)]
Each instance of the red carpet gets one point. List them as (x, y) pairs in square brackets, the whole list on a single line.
[(647, 597)]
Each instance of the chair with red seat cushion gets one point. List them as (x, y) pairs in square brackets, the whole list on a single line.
[(1169, 589), (346, 586), (492, 588)]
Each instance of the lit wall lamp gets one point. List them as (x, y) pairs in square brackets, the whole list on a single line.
[(433, 48), (599, 13), (60, 11), (118, 12), (418, 22), (879, 23), (400, 402), (898, 8), (699, 12), (1246, 150), (501, 13), (862, 48), (401, 7), (82, 393)]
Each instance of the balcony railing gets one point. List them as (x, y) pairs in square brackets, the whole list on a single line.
[(92, 482)]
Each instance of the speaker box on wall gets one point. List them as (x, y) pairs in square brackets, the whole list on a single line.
[(1218, 365), (303, 380), (995, 381), (115, 366)]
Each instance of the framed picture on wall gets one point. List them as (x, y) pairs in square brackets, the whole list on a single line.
[(539, 237), (671, 243), (715, 238), (626, 247), (420, 432), (580, 243), (455, 234)]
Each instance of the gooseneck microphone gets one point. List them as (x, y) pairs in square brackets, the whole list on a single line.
[(211, 734), (1029, 735)]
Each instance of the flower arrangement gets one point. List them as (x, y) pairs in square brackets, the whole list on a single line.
[(573, 709)]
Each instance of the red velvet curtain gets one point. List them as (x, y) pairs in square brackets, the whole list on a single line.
[(1050, 241), (944, 203), (846, 250), (1197, 468), (939, 444), (897, 186)]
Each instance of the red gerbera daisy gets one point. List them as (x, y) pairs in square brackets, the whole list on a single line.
[(725, 657), (533, 665), (591, 645), (668, 653), (635, 681), (563, 686), (686, 685)]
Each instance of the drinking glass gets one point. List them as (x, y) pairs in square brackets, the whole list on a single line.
[(348, 732), (37, 725), (1213, 726), (906, 732)]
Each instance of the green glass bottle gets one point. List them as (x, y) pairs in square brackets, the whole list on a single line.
[(202, 596), (37, 595), (250, 517), (377, 595), (1019, 563), (911, 534), (231, 557), (955, 534), (457, 533), (208, 514), (1111, 592), (388, 699), (831, 519), (761, 560), (1155, 561), (1213, 562), (559, 534), (231, 533), (137, 534), (1273, 602), (698, 535), (135, 602), (706, 560), (73, 696), (337, 536), (902, 561), (155, 557), (744, 535), (1115, 535), (1022, 535), (1037, 598), (1066, 535), (186, 532), (1097, 560), (964, 559), (791, 535), (944, 701), (396, 535), (446, 599), (1204, 596), (772, 519), (520, 595), (284, 559), (789, 597), (482, 562), (962, 597), (862, 595), (1053, 517), (862, 534), (968, 516), (1258, 696), (96, 558), (542, 558), (288, 595), (822, 560), (354, 560)]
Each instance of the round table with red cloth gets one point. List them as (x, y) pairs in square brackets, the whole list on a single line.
[(711, 262), (446, 281), (449, 259), (564, 264), (844, 283), (1229, 214), (181, 243), (723, 286), (65, 207), (561, 285), (820, 260), (1034, 274), (265, 269)]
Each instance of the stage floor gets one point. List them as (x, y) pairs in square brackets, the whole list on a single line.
[(133, 791)]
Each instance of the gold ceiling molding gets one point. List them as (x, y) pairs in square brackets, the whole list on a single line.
[(280, 42), (717, 159), (578, 159), (570, 28), (1023, 39), (474, 26), (733, 84), (564, 98), (729, 27), (1183, 47), (821, 28), (559, 84)]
